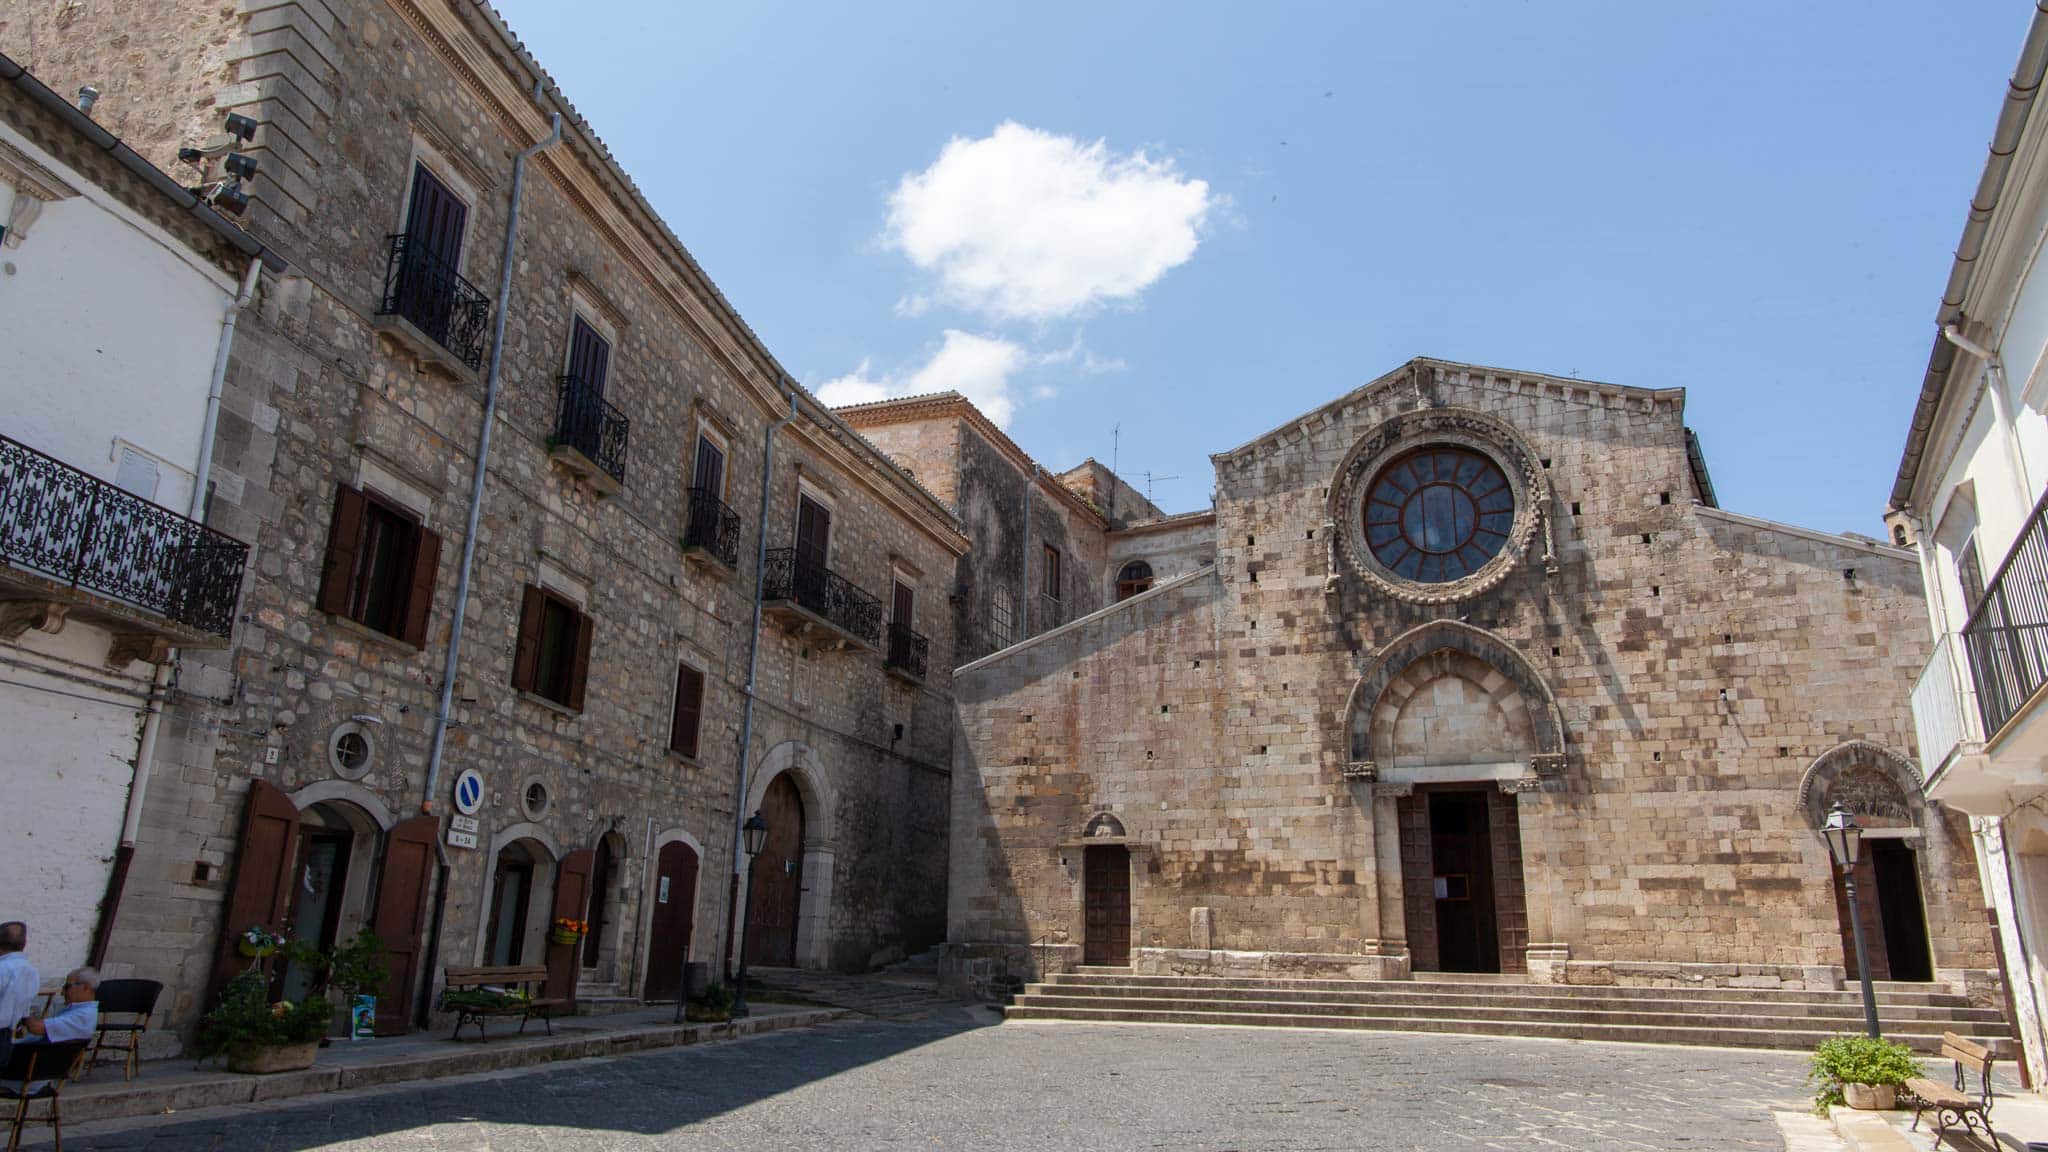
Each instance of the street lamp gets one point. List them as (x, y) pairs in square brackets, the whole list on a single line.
[(754, 834), (1845, 842)]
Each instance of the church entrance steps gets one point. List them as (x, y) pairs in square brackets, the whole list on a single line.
[(1707, 1016)]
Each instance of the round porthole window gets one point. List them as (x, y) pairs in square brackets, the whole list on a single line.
[(1438, 514), (535, 799), (351, 752)]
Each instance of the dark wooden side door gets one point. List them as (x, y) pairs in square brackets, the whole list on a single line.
[(813, 533), (710, 474), (572, 901), (260, 889), (675, 914), (1462, 883), (435, 219), (775, 884), (1510, 891), (1418, 881), (1106, 905), (400, 920)]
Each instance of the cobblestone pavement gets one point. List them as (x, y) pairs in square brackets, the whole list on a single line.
[(957, 1080)]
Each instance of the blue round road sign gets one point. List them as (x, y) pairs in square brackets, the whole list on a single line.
[(469, 792)]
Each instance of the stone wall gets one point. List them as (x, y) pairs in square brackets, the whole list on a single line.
[(1700, 663)]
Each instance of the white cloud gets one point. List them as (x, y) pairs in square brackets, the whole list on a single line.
[(978, 367), (1023, 224)]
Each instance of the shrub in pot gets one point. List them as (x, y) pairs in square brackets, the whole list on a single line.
[(1862, 1071), (258, 1035), (715, 1004)]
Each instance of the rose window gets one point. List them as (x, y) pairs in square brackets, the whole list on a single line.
[(1438, 514)]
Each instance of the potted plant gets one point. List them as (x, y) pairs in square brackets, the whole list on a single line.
[(357, 971), (259, 1036), (714, 1005), (1863, 1071), (567, 931)]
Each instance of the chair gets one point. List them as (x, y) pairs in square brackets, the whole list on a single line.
[(134, 998), (28, 1063)]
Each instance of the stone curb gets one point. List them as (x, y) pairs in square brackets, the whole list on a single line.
[(228, 1089), (1866, 1131)]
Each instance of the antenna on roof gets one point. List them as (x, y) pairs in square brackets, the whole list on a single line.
[(1149, 478), (1115, 431)]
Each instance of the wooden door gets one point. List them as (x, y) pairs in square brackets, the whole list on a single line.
[(400, 916), (1462, 882), (675, 915), (710, 475), (572, 902), (775, 883), (1106, 905), (813, 533), (1510, 891), (435, 219), (1418, 882), (590, 356), (260, 889)]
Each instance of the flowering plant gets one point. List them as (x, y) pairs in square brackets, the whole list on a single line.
[(246, 1017), (259, 942), (567, 931)]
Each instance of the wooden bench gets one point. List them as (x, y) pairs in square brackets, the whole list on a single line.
[(1955, 1105), (523, 984)]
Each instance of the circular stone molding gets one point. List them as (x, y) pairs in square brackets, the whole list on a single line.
[(351, 750), (534, 798), (1395, 438)]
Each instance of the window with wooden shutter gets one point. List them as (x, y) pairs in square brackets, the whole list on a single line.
[(1052, 573), (552, 659), (526, 657), (710, 473), (813, 533), (590, 355), (380, 566), (689, 711)]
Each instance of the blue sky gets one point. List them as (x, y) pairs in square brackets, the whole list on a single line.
[(1195, 221)]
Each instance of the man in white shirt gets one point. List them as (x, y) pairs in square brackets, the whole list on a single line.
[(18, 982), (78, 1020)]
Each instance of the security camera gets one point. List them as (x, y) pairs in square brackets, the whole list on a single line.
[(240, 167), (229, 198), (192, 156), (240, 125)]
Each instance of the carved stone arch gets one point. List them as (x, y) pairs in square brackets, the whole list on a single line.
[(1879, 786), (1465, 428), (1103, 823), (815, 788), (1452, 648), (348, 792)]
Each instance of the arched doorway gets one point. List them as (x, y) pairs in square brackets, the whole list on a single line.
[(333, 875), (673, 921), (515, 875), (775, 882), (1882, 790)]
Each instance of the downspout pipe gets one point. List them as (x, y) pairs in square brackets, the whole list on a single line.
[(160, 684), (446, 704), (2001, 410), (739, 800)]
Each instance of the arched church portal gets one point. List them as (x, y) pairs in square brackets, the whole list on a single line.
[(1882, 790)]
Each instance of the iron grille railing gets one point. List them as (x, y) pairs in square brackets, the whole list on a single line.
[(2007, 637), (82, 531), (908, 651), (429, 294), (1944, 706), (824, 592), (713, 527), (586, 422)]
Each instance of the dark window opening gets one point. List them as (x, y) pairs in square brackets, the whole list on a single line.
[(380, 566), (688, 715), (553, 657), (1051, 583), (1132, 579)]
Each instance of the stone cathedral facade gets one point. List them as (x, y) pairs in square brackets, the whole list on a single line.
[(1481, 679)]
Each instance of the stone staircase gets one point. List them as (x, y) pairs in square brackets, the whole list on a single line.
[(1914, 1014)]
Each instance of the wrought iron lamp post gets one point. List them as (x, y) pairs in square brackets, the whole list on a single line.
[(1845, 843), (755, 834)]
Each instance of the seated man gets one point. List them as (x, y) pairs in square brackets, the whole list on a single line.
[(77, 1020)]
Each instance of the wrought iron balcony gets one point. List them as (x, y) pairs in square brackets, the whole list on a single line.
[(426, 292), (70, 538), (713, 530), (816, 594), (2007, 636), (589, 427), (908, 651), (1945, 706)]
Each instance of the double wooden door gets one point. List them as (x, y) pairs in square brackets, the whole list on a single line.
[(775, 883), (1106, 904)]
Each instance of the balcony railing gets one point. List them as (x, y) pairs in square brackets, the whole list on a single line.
[(908, 651), (823, 593), (78, 530), (585, 422), (1945, 706), (428, 293), (2007, 636), (714, 529)]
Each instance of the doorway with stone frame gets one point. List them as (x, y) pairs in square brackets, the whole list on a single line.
[(1461, 877)]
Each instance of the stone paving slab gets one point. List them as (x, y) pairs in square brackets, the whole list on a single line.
[(173, 1086)]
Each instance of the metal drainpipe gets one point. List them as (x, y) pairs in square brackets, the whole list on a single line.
[(2001, 409), (483, 457), (1024, 565), (160, 684), (739, 800)]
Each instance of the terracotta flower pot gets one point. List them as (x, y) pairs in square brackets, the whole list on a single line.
[(263, 1059), (1871, 1097)]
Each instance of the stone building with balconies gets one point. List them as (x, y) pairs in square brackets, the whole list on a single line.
[(511, 464), (114, 285)]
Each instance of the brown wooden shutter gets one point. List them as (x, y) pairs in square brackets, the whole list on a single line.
[(344, 547), (435, 218), (419, 598), (813, 532), (590, 355), (526, 658), (401, 915), (572, 900), (710, 468), (579, 669), (260, 888), (689, 711)]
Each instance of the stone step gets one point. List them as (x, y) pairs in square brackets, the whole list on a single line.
[(1396, 997), (1693, 1016), (1726, 1037), (1919, 995)]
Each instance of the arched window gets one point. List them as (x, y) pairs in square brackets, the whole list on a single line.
[(1132, 579)]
